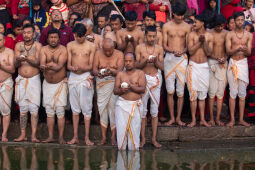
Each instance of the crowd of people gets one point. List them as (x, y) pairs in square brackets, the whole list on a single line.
[(117, 66)]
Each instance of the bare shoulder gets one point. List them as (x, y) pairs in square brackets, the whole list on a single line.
[(139, 32), (70, 44), (248, 34), (44, 48), (229, 33), (119, 53), (119, 74), (159, 47), (8, 51), (91, 45), (186, 26), (19, 44), (140, 72), (140, 46), (38, 45), (62, 48), (192, 34)]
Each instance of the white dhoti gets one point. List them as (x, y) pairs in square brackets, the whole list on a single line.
[(128, 123), (106, 100), (28, 93), (81, 93), (128, 160), (153, 92), (175, 69), (55, 98), (218, 78), (6, 91), (198, 80), (238, 77)]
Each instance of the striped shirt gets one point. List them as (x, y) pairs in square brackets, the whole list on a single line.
[(63, 9)]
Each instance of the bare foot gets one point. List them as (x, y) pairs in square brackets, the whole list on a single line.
[(211, 122), (231, 124), (142, 143), (156, 144), (243, 123), (159, 124), (192, 124), (114, 142), (49, 140), (88, 142), (61, 141), (35, 140), (73, 141), (102, 142), (180, 123), (4, 139), (20, 138), (162, 119), (170, 122), (204, 123), (219, 123)]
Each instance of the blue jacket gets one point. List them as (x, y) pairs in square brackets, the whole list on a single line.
[(41, 18)]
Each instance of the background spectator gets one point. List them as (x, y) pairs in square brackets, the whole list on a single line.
[(39, 14), (210, 12), (9, 43), (72, 18), (249, 12), (62, 7), (4, 13), (20, 9), (162, 9), (80, 6)]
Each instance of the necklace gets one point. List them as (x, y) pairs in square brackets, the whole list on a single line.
[(238, 36), (152, 51), (52, 53), (27, 50)]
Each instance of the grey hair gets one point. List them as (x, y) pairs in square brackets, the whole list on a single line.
[(108, 40), (87, 21)]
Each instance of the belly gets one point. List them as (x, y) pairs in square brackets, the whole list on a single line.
[(55, 77), (28, 71)]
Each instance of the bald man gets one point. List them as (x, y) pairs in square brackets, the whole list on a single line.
[(107, 63), (80, 61)]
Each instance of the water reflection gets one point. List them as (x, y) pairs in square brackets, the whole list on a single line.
[(75, 159)]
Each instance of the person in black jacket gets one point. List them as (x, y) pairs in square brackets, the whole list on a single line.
[(210, 12), (39, 14)]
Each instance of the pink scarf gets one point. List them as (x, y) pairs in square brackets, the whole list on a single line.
[(192, 4)]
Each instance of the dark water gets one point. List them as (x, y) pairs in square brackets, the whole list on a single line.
[(12, 157)]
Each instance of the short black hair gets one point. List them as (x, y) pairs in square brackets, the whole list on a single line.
[(228, 21), (189, 20), (131, 16), (4, 25), (103, 15), (160, 24), (76, 13), (150, 14), (53, 31), (80, 30), (219, 20), (150, 29), (114, 17), (28, 19), (179, 9), (77, 19), (29, 26), (238, 14), (251, 26), (36, 2), (200, 17), (133, 54), (17, 23)]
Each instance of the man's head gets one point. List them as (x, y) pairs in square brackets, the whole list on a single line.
[(129, 61), (2, 28), (239, 19), (2, 40), (151, 35), (219, 22), (178, 12), (102, 21), (130, 22), (36, 5), (73, 17), (231, 23), (17, 27), (79, 31), (28, 32), (88, 24), (27, 20), (249, 3), (53, 37), (56, 16), (249, 28), (116, 22), (107, 29), (149, 18), (199, 22), (212, 4), (108, 47)]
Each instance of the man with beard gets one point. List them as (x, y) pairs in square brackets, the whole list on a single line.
[(53, 64), (238, 46), (130, 37), (80, 62), (107, 63), (130, 85), (28, 83), (7, 68), (175, 33), (200, 44), (218, 69), (150, 60)]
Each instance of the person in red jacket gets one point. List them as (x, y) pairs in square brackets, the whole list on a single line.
[(228, 7), (162, 9), (9, 43), (20, 9)]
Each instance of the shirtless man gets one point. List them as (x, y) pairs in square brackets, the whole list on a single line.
[(112, 61), (53, 64), (218, 69), (80, 61), (28, 82), (200, 44), (175, 62), (7, 68), (238, 47), (149, 19), (130, 85), (90, 36), (130, 37), (150, 60)]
